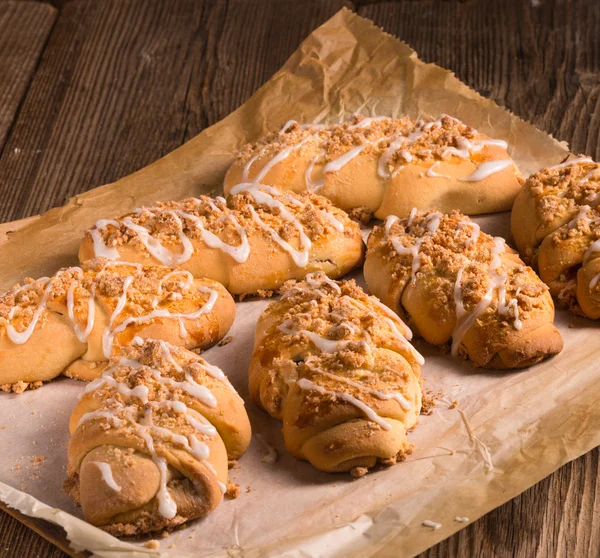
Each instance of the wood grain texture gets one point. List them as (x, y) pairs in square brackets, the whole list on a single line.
[(122, 82), (24, 29)]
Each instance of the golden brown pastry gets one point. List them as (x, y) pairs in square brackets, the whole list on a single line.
[(253, 242), (74, 321), (383, 166), (151, 439), (336, 367), (457, 285), (556, 226)]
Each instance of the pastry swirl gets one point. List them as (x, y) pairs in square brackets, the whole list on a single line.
[(384, 166), (457, 285), (254, 241), (336, 367), (76, 320), (555, 222), (151, 439)]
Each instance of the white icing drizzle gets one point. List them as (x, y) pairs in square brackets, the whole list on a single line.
[(396, 396), (464, 319), (432, 174), (239, 253), (146, 428), (19, 338), (594, 281), (432, 223), (101, 250), (397, 145), (575, 161), (263, 194), (335, 165), (107, 475), (393, 327), (305, 383), (487, 169), (155, 248), (315, 281), (594, 247), (324, 345), (111, 329), (435, 526), (475, 232), (81, 335)]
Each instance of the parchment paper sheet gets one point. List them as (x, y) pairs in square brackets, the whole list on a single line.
[(523, 424)]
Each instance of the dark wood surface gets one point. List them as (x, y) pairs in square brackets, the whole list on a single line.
[(91, 90)]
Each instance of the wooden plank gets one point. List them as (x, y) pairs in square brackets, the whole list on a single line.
[(539, 59), (24, 29), (14, 527), (123, 83)]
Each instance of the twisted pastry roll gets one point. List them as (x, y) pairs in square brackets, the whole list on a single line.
[(336, 367), (384, 167), (74, 321), (151, 438), (455, 284), (556, 226), (256, 240)]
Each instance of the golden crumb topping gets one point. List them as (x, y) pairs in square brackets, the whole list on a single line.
[(334, 336), (462, 267), (129, 293), (157, 392), (168, 230), (394, 141), (560, 191)]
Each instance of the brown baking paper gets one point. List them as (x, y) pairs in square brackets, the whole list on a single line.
[(508, 431)]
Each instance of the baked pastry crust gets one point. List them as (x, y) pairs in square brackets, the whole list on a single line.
[(252, 242), (384, 166), (73, 322), (151, 439), (336, 367), (555, 222), (457, 285)]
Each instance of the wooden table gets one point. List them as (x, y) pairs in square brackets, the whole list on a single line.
[(92, 90)]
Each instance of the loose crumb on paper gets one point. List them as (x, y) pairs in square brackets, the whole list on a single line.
[(226, 341), (152, 544), (435, 526), (429, 401), (233, 490), (358, 472), (461, 519)]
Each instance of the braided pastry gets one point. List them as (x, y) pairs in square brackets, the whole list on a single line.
[(255, 241), (556, 226), (384, 167), (336, 367), (151, 438), (455, 284), (74, 321)]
